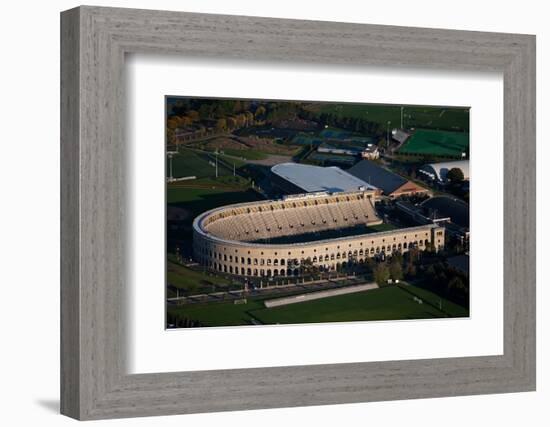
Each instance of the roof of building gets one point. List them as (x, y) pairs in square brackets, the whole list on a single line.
[(400, 135), (316, 178), (377, 176), (439, 170), (326, 146)]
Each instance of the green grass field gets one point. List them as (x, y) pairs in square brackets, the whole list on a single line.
[(381, 227), (387, 303), (187, 279), (198, 200), (246, 154), (436, 143), (447, 118), (192, 163)]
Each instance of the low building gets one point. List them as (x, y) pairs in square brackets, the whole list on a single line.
[(400, 135), (368, 151), (371, 152), (295, 178), (349, 150), (390, 183), (438, 171)]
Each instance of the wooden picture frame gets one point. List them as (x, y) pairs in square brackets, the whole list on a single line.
[(94, 382)]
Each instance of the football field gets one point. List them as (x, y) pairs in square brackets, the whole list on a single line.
[(387, 303)]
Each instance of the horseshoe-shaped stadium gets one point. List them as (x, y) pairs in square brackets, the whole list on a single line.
[(274, 238)]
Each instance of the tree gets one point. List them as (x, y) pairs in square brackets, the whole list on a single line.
[(456, 285), (184, 121), (221, 124), (413, 255), (455, 175), (193, 115), (170, 136), (308, 268), (396, 271), (410, 270), (260, 112), (172, 123), (381, 274), (231, 123)]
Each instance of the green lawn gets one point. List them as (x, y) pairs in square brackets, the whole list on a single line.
[(218, 314), (387, 303), (193, 281), (246, 154), (437, 143), (192, 163), (449, 118), (232, 161), (448, 307), (198, 200), (381, 227)]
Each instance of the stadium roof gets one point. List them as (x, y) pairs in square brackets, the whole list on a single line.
[(316, 178), (377, 176), (439, 170)]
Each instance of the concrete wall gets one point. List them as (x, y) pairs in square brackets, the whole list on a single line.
[(264, 260)]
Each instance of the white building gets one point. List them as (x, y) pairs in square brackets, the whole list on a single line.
[(438, 171)]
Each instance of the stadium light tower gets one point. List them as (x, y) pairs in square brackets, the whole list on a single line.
[(402, 108), (170, 155)]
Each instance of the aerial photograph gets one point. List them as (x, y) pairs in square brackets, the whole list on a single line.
[(295, 212)]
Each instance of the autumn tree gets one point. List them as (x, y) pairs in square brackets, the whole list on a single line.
[(396, 271), (172, 123), (193, 115), (221, 124), (260, 112), (231, 122), (381, 273)]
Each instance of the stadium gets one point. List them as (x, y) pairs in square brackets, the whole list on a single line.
[(275, 238)]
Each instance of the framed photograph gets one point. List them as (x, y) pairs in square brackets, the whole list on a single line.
[(288, 212), (262, 213)]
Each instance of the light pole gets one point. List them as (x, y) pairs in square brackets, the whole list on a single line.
[(402, 108), (170, 159), (388, 134)]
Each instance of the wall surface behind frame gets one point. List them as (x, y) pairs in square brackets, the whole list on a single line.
[(29, 217)]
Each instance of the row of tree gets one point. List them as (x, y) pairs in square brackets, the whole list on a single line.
[(235, 113)]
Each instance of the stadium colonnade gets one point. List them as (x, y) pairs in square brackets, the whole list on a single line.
[(236, 239)]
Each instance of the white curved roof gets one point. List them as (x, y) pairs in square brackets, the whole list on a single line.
[(316, 178), (439, 170)]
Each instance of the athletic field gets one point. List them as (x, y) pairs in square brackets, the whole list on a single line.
[(387, 303), (437, 143), (192, 163), (445, 118)]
